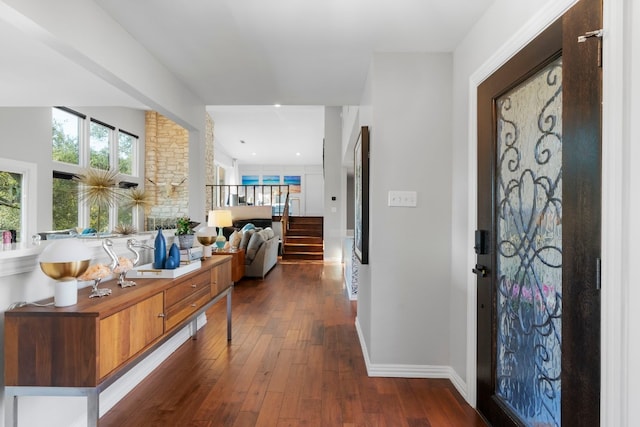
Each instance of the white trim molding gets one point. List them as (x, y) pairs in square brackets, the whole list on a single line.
[(616, 193), (388, 370)]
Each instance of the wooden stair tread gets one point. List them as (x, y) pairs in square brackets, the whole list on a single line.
[(304, 238)]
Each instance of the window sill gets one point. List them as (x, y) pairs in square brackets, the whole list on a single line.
[(24, 258)]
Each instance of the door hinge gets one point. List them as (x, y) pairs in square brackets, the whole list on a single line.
[(596, 34), (598, 274)]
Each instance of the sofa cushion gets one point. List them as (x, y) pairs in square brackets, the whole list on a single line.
[(246, 236), (257, 239)]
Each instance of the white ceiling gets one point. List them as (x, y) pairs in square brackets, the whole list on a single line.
[(264, 135), (248, 52)]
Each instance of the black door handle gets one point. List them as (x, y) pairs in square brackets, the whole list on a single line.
[(480, 270)]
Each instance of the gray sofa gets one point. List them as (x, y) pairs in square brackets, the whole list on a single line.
[(261, 251)]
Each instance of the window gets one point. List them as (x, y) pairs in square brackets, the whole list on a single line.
[(127, 147), (18, 210), (100, 136), (67, 128), (80, 142), (65, 201), (10, 201)]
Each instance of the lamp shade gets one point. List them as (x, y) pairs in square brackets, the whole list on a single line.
[(64, 258), (220, 218)]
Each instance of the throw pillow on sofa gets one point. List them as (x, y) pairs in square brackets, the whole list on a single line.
[(246, 236), (235, 238), (248, 226), (257, 239), (268, 233)]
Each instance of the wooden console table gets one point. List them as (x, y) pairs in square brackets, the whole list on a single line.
[(81, 349), (237, 263)]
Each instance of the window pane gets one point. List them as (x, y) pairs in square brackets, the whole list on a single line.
[(66, 132), (65, 204), (99, 218), (126, 147), (125, 215), (99, 146), (10, 202)]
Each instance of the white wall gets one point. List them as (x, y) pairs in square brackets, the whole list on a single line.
[(335, 214), (59, 24), (408, 287)]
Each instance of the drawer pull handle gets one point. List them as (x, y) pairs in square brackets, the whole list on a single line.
[(194, 286), (193, 305), (161, 315)]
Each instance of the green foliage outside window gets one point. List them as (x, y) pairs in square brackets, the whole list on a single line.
[(103, 214), (65, 144), (125, 153), (65, 204), (99, 146), (10, 197)]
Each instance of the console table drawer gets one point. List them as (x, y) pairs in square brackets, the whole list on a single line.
[(186, 288), (183, 309), (220, 278), (124, 334)]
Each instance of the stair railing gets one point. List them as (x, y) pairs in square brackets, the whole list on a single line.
[(285, 223), (223, 195)]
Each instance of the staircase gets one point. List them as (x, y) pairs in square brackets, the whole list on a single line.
[(304, 238)]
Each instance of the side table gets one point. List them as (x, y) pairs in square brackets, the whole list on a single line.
[(237, 263)]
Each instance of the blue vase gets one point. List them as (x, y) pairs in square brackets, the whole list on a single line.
[(160, 251), (173, 260)]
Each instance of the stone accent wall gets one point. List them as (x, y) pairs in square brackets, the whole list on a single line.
[(166, 170), (210, 177)]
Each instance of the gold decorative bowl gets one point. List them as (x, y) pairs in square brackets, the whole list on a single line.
[(62, 270), (206, 240)]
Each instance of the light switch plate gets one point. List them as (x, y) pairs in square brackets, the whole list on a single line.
[(403, 198)]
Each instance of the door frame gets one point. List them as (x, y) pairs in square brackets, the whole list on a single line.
[(614, 399)]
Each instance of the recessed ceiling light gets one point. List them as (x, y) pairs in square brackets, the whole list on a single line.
[(253, 154), (297, 154), (277, 105)]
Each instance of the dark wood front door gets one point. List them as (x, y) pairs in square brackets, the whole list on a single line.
[(538, 244)]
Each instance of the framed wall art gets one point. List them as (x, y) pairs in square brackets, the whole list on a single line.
[(361, 195)]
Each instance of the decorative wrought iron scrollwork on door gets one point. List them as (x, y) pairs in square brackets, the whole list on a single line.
[(529, 247)]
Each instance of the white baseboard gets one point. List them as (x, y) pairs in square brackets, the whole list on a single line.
[(410, 371)]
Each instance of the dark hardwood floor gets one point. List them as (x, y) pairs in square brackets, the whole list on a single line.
[(295, 360)]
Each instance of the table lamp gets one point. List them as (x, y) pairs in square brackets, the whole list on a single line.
[(220, 219), (64, 260), (206, 236)]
